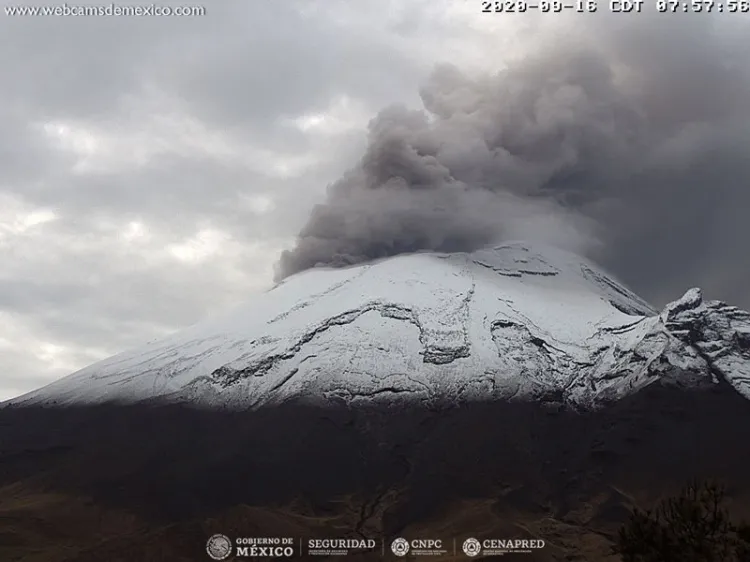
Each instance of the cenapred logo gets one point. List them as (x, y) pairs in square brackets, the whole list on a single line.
[(472, 547), (499, 547), (400, 547), (219, 547)]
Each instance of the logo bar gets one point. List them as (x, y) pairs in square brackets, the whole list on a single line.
[(221, 547)]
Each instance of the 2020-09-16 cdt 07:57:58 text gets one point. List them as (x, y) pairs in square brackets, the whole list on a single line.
[(618, 6)]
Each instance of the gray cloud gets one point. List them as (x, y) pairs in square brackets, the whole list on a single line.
[(151, 169), (642, 128)]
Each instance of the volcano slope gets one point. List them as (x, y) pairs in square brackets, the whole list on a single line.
[(516, 392)]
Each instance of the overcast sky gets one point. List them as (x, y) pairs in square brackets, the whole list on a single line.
[(152, 169)]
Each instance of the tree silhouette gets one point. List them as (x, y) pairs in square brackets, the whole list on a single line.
[(690, 527)]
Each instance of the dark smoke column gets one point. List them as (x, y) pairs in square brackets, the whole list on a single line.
[(634, 141), (453, 177)]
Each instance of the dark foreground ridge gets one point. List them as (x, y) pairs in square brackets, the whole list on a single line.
[(153, 482)]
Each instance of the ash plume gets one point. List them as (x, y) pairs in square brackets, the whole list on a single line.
[(630, 143)]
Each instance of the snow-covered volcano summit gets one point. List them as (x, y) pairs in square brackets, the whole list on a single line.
[(513, 322)]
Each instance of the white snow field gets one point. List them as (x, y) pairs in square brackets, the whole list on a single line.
[(515, 322)]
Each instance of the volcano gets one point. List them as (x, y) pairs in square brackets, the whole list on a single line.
[(516, 322), (516, 391)]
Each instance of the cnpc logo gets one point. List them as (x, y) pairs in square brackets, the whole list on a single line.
[(402, 547)]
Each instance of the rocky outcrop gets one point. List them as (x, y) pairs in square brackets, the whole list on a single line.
[(719, 333)]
